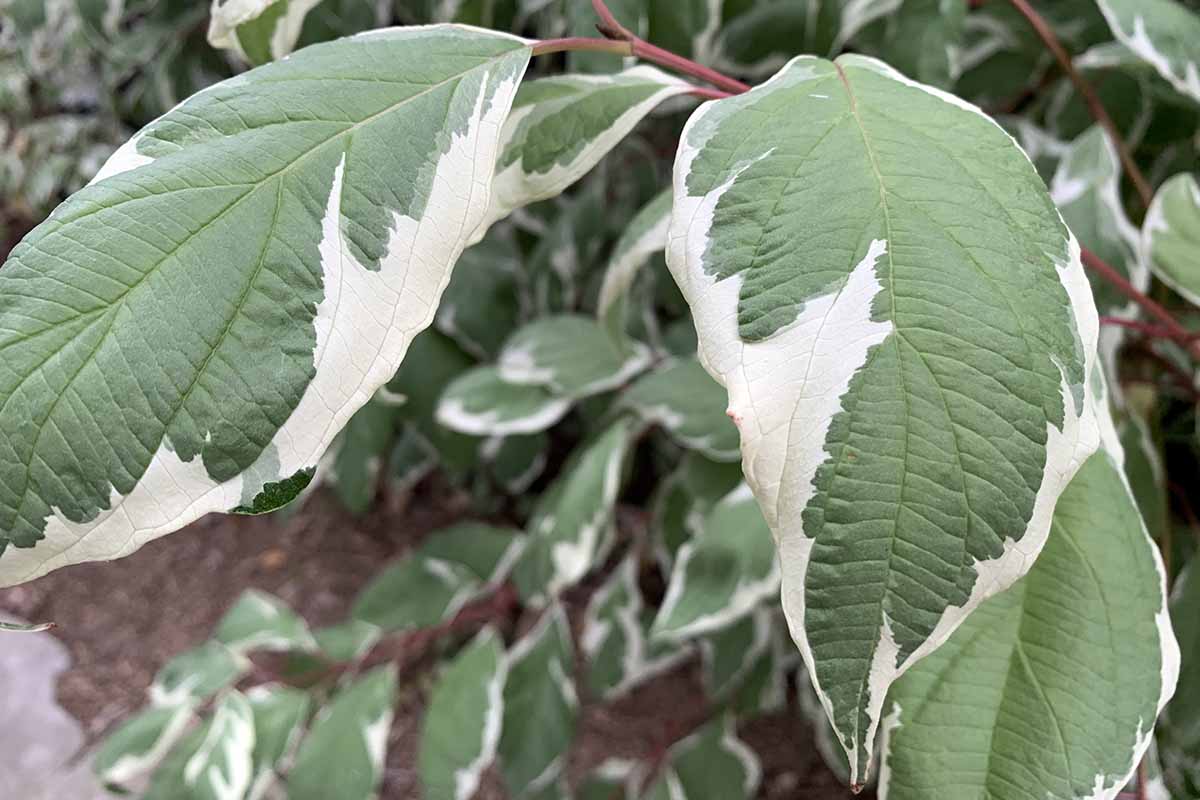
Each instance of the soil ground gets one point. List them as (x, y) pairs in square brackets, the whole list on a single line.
[(121, 620)]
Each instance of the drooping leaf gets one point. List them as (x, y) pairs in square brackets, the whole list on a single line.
[(1073, 664), (540, 705), (26, 627), (197, 674), (223, 766), (450, 568), (1164, 33), (567, 531), (482, 403), (570, 355), (140, 743), (260, 621), (482, 304), (710, 763), (682, 398), (730, 653), (723, 573), (241, 277), (258, 30), (279, 716), (342, 756), (1171, 236), (881, 282), (560, 127), (645, 235), (462, 723), (361, 449)]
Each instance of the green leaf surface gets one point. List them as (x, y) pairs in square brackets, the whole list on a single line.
[(540, 705), (258, 30), (260, 621), (685, 400), (1171, 236), (223, 766), (720, 575), (360, 451), (645, 235), (567, 533), (447, 570), (197, 674), (279, 715), (481, 402), (242, 275), (342, 756), (709, 764), (140, 743), (882, 284), (1064, 674), (1165, 33), (570, 355), (462, 723)]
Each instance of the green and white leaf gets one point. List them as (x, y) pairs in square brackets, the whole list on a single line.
[(26, 627), (449, 569), (140, 743), (685, 400), (355, 461), (279, 716), (540, 705), (484, 300), (1073, 663), (720, 575), (570, 355), (923, 39), (1164, 33), (567, 532), (347, 641), (260, 621), (684, 498), (517, 461), (257, 30), (342, 756), (615, 639), (881, 282), (223, 766), (710, 763), (560, 127), (1170, 241), (645, 235), (730, 653), (481, 402), (191, 330), (462, 723), (197, 674)]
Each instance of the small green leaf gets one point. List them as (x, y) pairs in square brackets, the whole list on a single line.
[(140, 743), (342, 756), (260, 621), (197, 674), (1165, 33), (685, 400), (1171, 236), (571, 356), (279, 715), (361, 448), (258, 30), (223, 766), (462, 722), (540, 706), (482, 403), (645, 235)]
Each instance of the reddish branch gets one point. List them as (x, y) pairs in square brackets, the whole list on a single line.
[(1171, 326), (1088, 92)]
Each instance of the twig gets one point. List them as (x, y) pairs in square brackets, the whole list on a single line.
[(1153, 331), (1170, 324), (1047, 35)]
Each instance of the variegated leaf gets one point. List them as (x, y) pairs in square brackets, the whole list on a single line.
[(645, 235), (342, 756), (462, 722), (569, 527), (257, 30), (570, 355), (540, 705), (141, 742), (682, 398), (260, 621), (482, 403), (279, 714), (222, 768), (197, 674), (719, 576), (710, 763), (188, 333), (881, 282), (560, 127), (1164, 33), (450, 568), (1170, 242), (729, 654), (356, 459), (1063, 675)]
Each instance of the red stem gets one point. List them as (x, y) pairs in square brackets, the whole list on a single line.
[(1170, 324), (1050, 39), (1153, 331)]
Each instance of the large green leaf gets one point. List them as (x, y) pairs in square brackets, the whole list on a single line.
[(881, 282), (1063, 674), (1164, 33), (243, 274), (1171, 236), (462, 724)]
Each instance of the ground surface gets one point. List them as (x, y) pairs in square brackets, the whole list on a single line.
[(120, 621)]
